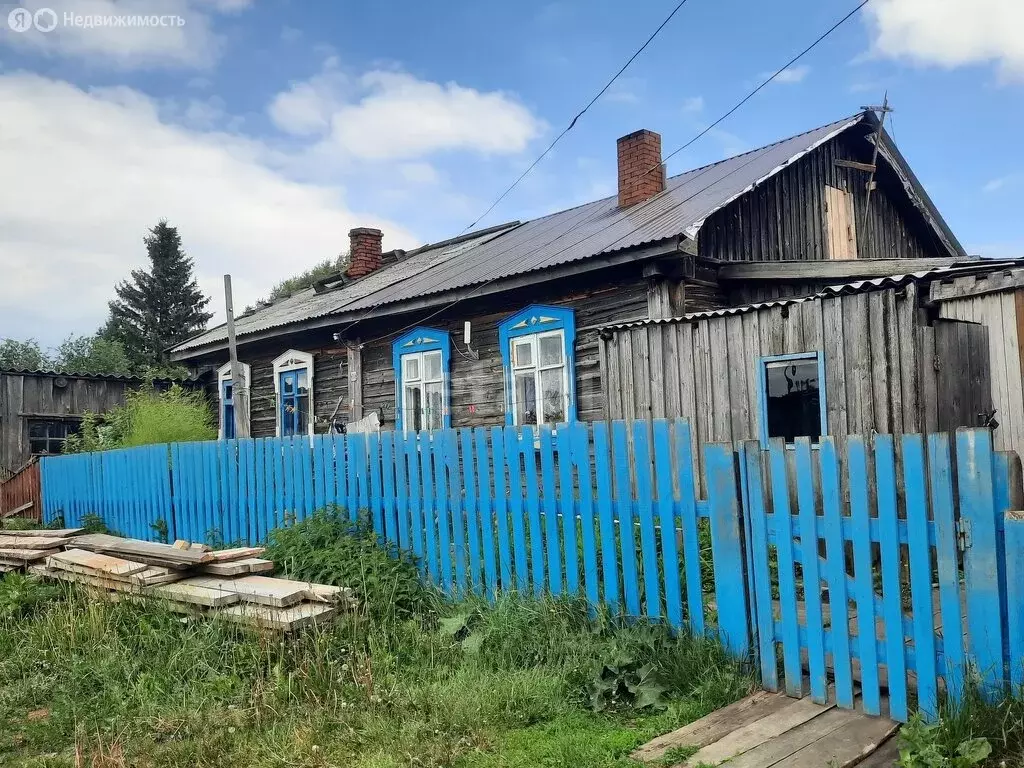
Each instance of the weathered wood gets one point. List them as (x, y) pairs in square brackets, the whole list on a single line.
[(751, 735), (196, 594), (238, 567), (355, 381), (145, 551), (23, 556), (839, 217), (823, 271), (713, 727), (237, 553), (46, 533), (869, 167), (94, 562), (977, 285), (285, 619), (31, 542), (846, 746), (278, 593)]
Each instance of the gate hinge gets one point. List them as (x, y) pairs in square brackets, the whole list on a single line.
[(963, 534)]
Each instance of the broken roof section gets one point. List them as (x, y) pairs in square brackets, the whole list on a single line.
[(576, 234)]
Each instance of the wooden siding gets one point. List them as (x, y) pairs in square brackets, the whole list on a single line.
[(330, 384), (785, 218), (998, 311), (477, 386), (27, 395), (20, 495), (755, 291), (705, 370)]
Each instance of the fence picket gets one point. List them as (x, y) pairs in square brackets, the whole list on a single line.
[(667, 521), (549, 499), (948, 566), (568, 508), (916, 490), (764, 609), (387, 453), (889, 545), (456, 512), (838, 599), (783, 529), (1014, 523), (609, 555), (486, 507), (867, 645), (537, 556), (501, 507), (645, 512), (401, 448), (624, 508), (580, 440), (429, 511), (513, 458), (691, 532), (809, 537), (416, 530), (472, 523), (441, 512)]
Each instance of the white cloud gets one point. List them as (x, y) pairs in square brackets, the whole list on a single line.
[(950, 33), (1001, 182), (95, 169), (626, 90), (290, 34), (194, 44), (419, 173), (693, 105), (789, 75), (392, 115)]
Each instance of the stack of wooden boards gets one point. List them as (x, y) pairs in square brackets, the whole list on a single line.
[(191, 578), (19, 549)]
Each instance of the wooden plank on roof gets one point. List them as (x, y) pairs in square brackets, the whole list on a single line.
[(823, 271)]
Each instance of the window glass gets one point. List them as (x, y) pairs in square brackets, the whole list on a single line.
[(47, 436), (303, 378), (522, 353), (413, 401), (435, 405), (412, 366), (227, 390), (526, 397), (792, 399), (432, 366), (552, 385), (551, 349), (287, 385)]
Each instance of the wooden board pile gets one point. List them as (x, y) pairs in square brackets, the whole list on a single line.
[(19, 549), (190, 578)]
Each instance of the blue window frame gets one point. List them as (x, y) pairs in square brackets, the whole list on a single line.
[(540, 372), (293, 383), (422, 360), (792, 396)]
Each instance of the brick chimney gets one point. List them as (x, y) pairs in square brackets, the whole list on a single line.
[(641, 172), (364, 251)]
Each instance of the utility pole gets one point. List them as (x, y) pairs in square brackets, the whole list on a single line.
[(884, 109), (239, 386)]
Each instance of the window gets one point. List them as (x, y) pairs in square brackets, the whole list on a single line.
[(293, 385), (226, 390), (793, 397), (47, 436), (421, 359), (540, 382)]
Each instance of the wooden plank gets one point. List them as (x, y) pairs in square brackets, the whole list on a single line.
[(794, 270), (237, 553), (860, 513), (751, 735), (906, 307), (667, 523), (606, 518), (31, 542), (112, 566), (763, 608), (20, 556), (784, 540), (809, 536), (103, 543), (727, 548), (719, 390), (645, 513), (237, 567), (688, 478), (285, 619), (836, 572), (880, 330), (846, 746), (580, 439), (195, 593), (624, 510), (50, 533), (264, 590), (781, 749), (714, 726)]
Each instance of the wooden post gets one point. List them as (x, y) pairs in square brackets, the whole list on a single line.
[(239, 386)]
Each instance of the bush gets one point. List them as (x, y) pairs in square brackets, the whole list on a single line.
[(146, 418), (328, 548)]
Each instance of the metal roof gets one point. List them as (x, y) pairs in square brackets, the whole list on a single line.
[(843, 289), (589, 230), (95, 376)]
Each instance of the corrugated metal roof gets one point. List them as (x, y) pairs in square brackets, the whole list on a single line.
[(96, 376), (843, 289), (308, 304), (575, 234)]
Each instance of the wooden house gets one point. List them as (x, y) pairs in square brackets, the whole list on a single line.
[(501, 326)]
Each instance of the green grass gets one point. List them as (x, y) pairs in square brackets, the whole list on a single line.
[(130, 684)]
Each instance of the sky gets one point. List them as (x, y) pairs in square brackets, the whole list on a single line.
[(266, 129)]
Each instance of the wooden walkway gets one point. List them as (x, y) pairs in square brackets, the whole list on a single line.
[(766, 730)]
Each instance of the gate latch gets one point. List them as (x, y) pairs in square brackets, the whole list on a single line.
[(963, 534)]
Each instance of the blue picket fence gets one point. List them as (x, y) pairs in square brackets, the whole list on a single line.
[(638, 519)]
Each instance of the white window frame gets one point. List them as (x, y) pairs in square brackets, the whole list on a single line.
[(534, 341), (224, 374), (421, 381), (293, 360)]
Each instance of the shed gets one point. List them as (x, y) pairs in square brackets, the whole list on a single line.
[(864, 357)]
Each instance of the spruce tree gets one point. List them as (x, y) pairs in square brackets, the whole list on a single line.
[(158, 308)]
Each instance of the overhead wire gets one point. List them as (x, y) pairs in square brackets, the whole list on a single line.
[(507, 267)]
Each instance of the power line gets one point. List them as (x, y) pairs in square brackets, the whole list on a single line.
[(505, 268), (572, 123), (777, 72)]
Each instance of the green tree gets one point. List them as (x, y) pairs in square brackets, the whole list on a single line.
[(92, 354), (23, 355), (159, 308), (303, 280)]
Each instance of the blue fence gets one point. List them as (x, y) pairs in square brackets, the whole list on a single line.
[(815, 561)]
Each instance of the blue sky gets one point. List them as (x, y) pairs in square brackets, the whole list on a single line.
[(266, 129)]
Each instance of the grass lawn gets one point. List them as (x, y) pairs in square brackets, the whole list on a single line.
[(409, 681)]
